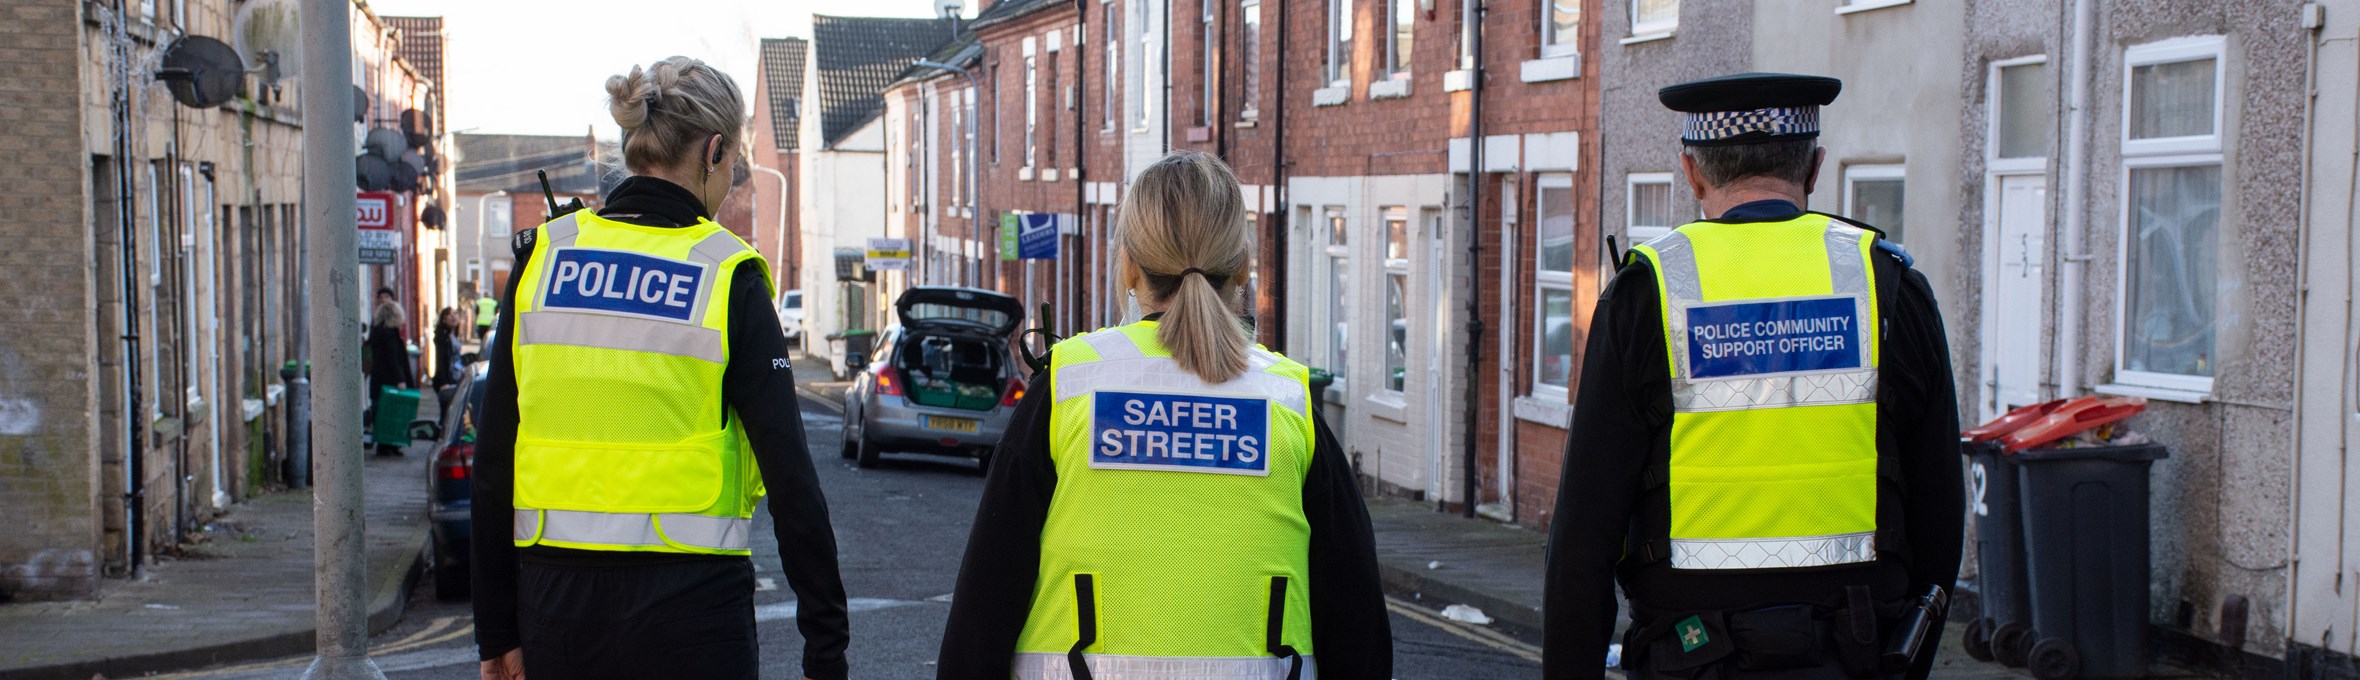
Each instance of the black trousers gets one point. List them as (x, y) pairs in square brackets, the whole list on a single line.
[(688, 619)]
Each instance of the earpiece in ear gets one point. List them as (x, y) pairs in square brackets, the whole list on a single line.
[(716, 156)]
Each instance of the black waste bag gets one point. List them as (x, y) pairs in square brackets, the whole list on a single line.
[(2085, 545)]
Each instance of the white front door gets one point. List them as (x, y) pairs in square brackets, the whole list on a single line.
[(2013, 298)]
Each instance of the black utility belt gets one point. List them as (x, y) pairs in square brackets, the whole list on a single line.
[(1864, 637)]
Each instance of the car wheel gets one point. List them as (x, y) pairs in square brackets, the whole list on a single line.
[(450, 580), (848, 446), (983, 463), (868, 453)]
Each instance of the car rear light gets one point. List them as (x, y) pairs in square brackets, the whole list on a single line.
[(889, 381), (1014, 393), (456, 461)]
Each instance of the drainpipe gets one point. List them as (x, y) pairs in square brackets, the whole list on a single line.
[(134, 499), (2068, 343), (1473, 12), (1081, 116), (1278, 174), (2314, 20)]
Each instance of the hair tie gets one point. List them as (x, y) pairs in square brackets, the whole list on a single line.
[(1192, 270)]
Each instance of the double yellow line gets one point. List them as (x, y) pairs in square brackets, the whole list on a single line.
[(441, 630), (1478, 634)]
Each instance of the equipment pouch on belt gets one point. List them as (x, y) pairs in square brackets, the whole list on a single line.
[(1681, 645), (1778, 638)]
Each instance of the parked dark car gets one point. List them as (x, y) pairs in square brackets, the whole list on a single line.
[(941, 381), (450, 484)]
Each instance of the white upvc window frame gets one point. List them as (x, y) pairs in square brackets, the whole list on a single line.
[(2165, 152), (1032, 105), (1250, 85), (1852, 6), (1396, 268), (1111, 83), (1993, 106), (1545, 280), (1339, 43), (1632, 229), (1854, 174), (1206, 64), (1339, 255), (1144, 22), (1550, 44), (1657, 28), (1397, 65)]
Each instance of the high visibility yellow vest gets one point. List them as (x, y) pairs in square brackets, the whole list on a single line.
[(486, 309), (1176, 545), (1772, 330), (623, 441)]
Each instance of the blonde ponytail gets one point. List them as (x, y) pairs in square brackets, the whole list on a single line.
[(1183, 227)]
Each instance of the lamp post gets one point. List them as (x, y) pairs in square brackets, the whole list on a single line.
[(974, 199), (782, 213)]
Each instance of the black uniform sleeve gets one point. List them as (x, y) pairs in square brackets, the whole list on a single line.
[(1923, 402), (1350, 630), (994, 594), (493, 503), (759, 386), (1619, 408)]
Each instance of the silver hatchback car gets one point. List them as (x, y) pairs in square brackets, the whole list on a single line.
[(942, 381)]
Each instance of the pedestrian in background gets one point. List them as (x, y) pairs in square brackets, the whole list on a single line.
[(487, 310), (446, 351), (390, 364), (1098, 551), (1764, 444), (630, 426)]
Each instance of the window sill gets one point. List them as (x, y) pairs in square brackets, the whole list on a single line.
[(2156, 393), (1552, 68), (1551, 412), (1024, 174), (1247, 123), (1049, 175), (1331, 96), (1458, 81), (1858, 7), (1389, 406), (1645, 38), (1393, 88)]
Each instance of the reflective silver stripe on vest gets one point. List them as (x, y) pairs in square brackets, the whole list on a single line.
[(1053, 666), (642, 529), (1773, 553), (562, 231), (1136, 370), (1684, 288), (607, 331)]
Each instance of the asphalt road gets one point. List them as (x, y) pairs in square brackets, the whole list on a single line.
[(900, 529)]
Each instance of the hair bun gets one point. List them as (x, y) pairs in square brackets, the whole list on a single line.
[(628, 97)]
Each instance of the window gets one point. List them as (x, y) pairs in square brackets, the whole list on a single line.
[(1648, 206), (1114, 60), (1251, 12), (958, 169), (2171, 149), (1339, 293), (1552, 346), (1873, 194), (1654, 17), (499, 216), (1850, 6), (1032, 106), (2021, 122), (1396, 297), (1561, 28), (1339, 51), (1146, 104), (1204, 113), (1397, 50)]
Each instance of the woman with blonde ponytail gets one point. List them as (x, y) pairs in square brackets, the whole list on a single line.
[(1166, 505), (636, 407)]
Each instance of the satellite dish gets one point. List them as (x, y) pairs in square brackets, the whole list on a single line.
[(372, 173), (949, 9), (269, 34), (201, 72), (388, 143)]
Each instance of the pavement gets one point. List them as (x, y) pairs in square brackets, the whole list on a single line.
[(242, 590)]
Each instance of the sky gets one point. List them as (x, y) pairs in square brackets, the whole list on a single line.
[(540, 66)]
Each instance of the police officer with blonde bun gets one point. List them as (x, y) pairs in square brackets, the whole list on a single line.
[(1763, 447), (1166, 506), (639, 406)]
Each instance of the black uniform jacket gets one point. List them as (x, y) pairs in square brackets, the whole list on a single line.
[(1351, 635), (1622, 420), (758, 387)]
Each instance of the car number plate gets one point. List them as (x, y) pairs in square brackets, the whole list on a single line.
[(953, 424)]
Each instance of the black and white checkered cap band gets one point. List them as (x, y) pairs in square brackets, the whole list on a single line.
[(1777, 121)]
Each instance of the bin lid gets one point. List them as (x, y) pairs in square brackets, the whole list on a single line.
[(2135, 453)]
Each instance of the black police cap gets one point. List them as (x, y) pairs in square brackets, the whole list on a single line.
[(1746, 108)]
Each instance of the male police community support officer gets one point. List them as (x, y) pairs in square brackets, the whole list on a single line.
[(1764, 446)]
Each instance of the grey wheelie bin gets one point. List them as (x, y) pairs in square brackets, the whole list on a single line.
[(2085, 544), (2000, 634)]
